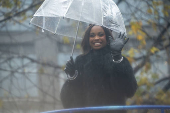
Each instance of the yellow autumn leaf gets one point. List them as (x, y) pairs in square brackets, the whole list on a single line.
[(130, 59), (6, 4), (149, 21), (140, 46), (139, 100), (165, 12), (154, 49), (128, 103), (142, 72), (147, 67), (78, 46), (149, 10), (24, 18), (41, 70), (132, 52), (134, 29), (157, 3), (63, 67), (130, 32), (143, 81), (163, 97), (154, 26), (140, 37), (131, 23), (143, 42), (155, 12), (166, 7), (155, 76), (66, 40), (17, 2), (139, 24)]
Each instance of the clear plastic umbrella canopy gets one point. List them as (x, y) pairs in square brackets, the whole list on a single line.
[(68, 17)]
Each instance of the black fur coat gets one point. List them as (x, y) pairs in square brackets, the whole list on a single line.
[(100, 81)]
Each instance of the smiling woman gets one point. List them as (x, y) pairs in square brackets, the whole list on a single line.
[(101, 76), (97, 38)]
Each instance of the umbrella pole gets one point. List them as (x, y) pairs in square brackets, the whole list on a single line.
[(75, 39)]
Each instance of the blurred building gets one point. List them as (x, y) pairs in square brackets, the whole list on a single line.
[(31, 68)]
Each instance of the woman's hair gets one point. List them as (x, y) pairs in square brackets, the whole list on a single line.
[(85, 42)]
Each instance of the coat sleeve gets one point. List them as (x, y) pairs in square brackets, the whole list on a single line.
[(71, 92), (122, 78)]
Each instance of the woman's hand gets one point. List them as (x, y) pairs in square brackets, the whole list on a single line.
[(70, 67), (117, 45)]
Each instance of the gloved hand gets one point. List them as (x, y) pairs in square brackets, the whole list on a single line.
[(70, 67), (117, 45)]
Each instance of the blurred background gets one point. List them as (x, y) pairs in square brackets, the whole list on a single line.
[(32, 60)]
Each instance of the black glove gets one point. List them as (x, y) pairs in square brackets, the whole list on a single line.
[(117, 45), (70, 67)]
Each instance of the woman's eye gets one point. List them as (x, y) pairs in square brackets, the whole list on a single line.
[(101, 35), (92, 35)]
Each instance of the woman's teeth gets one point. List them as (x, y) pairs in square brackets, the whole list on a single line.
[(96, 44)]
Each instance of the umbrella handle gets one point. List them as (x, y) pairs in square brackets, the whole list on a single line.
[(75, 39)]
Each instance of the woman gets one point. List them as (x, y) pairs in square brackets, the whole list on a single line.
[(101, 76)]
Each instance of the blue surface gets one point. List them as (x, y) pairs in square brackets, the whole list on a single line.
[(132, 107)]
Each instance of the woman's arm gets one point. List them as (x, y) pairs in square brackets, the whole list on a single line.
[(71, 92), (121, 76)]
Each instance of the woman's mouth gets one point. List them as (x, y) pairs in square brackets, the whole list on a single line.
[(97, 43)]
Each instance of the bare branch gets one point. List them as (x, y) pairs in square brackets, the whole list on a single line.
[(23, 11), (158, 39), (161, 80)]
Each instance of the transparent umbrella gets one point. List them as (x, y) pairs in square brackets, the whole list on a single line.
[(54, 14)]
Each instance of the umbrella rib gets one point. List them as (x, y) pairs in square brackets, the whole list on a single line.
[(77, 30), (68, 8), (57, 25), (93, 10), (101, 11), (43, 19), (75, 39)]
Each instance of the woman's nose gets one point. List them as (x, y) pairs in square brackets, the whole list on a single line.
[(96, 37)]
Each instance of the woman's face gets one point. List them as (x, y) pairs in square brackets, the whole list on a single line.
[(97, 39)]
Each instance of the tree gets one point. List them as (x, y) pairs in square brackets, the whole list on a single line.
[(149, 24), (22, 73)]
